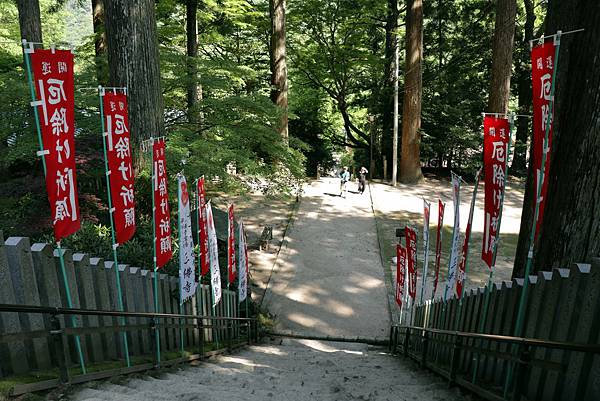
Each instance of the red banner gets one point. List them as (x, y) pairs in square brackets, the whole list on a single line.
[(411, 248), (400, 273), (202, 229), (162, 216), (438, 245), (462, 266), (495, 150), (53, 81), (542, 68), (118, 153), (231, 246)]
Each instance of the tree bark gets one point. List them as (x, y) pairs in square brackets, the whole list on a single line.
[(279, 81), (193, 88), (133, 62), (387, 93), (519, 163), (100, 41), (29, 20), (410, 163), (502, 52), (570, 230)]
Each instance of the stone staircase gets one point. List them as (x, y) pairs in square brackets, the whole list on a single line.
[(285, 369)]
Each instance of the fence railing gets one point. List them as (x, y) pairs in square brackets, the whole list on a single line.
[(475, 361), (232, 331)]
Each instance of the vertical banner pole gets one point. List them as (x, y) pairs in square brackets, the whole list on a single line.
[(155, 281), (533, 234), (425, 248), (42, 154), (488, 287), (122, 320), (199, 221)]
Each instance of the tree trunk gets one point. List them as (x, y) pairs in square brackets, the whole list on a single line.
[(133, 62), (387, 93), (410, 163), (570, 230), (29, 20), (193, 88), (279, 93), (504, 35), (100, 42), (525, 97)]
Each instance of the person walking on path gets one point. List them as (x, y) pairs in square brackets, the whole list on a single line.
[(344, 178), (362, 179)]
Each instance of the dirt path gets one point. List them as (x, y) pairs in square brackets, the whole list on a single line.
[(288, 370), (330, 281)]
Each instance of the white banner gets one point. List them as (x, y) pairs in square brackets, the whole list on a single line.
[(452, 266), (213, 253), (187, 274), (242, 263), (426, 214)]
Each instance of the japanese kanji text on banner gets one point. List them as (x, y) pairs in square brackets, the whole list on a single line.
[(202, 229), (495, 149), (162, 221), (53, 81), (213, 251), (411, 250), (400, 273), (118, 153), (231, 272), (542, 68), (438, 246), (242, 263), (187, 276)]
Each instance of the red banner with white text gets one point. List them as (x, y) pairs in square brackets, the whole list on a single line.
[(118, 153), (400, 273), (542, 68), (231, 246), (53, 82), (411, 248), (202, 229), (495, 148), (162, 221), (438, 245)]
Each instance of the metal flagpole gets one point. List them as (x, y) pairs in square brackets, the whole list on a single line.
[(28, 47), (425, 252), (199, 222), (181, 339), (155, 281), (112, 227), (524, 292), (488, 287)]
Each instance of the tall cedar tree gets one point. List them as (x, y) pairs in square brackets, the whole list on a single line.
[(279, 79), (410, 163), (387, 93), (133, 62), (29, 20), (570, 230), (193, 88), (502, 52)]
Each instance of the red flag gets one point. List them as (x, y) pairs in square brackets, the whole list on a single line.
[(438, 245), (462, 266), (495, 151), (231, 246), (118, 153), (411, 247), (542, 68), (53, 81), (162, 216), (400, 273), (202, 228)]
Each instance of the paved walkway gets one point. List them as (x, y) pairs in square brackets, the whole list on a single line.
[(287, 370), (329, 281)]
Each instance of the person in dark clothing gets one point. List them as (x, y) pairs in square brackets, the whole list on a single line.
[(362, 179)]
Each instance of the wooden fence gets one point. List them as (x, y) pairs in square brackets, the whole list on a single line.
[(31, 275), (563, 306)]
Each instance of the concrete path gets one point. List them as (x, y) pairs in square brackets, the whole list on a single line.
[(287, 370), (329, 281)]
